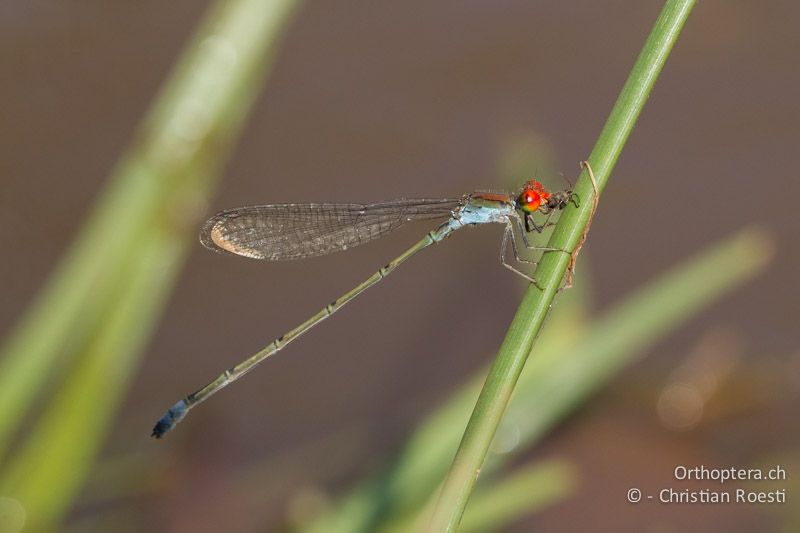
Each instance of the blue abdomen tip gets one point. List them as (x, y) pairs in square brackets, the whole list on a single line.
[(170, 419)]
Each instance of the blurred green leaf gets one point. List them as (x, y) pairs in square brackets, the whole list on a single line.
[(524, 491), (100, 306), (498, 503), (571, 363)]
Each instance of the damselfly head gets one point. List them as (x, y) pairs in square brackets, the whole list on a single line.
[(532, 196)]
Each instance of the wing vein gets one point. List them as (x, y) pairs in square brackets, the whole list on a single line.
[(293, 231)]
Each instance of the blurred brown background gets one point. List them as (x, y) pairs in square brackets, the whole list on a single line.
[(379, 100)]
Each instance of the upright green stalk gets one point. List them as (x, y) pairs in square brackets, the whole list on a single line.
[(568, 234)]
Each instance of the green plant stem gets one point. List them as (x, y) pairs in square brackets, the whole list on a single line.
[(573, 361), (567, 235)]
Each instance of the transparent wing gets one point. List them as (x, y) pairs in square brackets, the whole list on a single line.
[(294, 231)]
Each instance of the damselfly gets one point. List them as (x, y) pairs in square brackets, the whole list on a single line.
[(294, 231)]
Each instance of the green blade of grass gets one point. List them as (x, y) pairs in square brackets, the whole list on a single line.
[(100, 305), (555, 383), (568, 235), (571, 363), (495, 505), (195, 118), (398, 493), (55, 460), (423, 462), (527, 490)]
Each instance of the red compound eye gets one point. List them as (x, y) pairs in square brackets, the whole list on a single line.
[(529, 199)]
